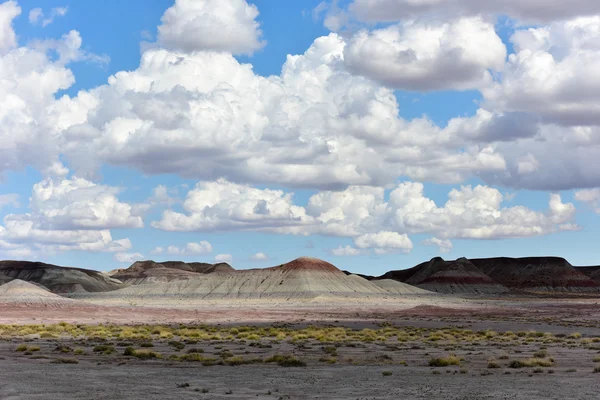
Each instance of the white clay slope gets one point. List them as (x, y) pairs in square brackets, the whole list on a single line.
[(18, 291)]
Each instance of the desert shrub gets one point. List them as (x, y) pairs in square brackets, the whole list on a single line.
[(147, 344), (177, 345), (21, 347), (104, 348), (451, 359), (597, 369), (285, 361), (531, 362), (540, 354), (33, 348), (146, 354), (78, 351), (195, 350), (129, 351), (597, 358), (386, 373), (493, 364)]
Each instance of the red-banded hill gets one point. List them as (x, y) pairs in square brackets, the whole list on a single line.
[(455, 277), (592, 272), (302, 279), (537, 274), (58, 279)]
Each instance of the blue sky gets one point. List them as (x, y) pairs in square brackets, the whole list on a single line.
[(372, 145)]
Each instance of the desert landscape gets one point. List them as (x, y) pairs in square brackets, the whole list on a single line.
[(464, 329)]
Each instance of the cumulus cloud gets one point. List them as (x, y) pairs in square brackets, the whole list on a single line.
[(222, 205), (444, 245), (219, 25), (425, 56), (260, 256), (36, 15), (128, 258), (31, 117), (77, 203), (226, 258), (345, 251), (552, 74), (69, 214), (190, 249), (384, 242), (361, 212), (526, 10), (315, 125), (8, 11)]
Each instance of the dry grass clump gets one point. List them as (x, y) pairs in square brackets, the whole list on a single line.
[(285, 361), (531, 362), (141, 354), (450, 359)]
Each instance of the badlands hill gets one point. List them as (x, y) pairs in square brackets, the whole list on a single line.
[(453, 277), (301, 280), (58, 279), (142, 272), (25, 293), (499, 275), (537, 274), (592, 272)]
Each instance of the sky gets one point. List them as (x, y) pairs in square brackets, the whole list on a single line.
[(374, 134)]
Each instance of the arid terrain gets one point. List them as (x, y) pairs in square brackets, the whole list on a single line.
[(301, 330)]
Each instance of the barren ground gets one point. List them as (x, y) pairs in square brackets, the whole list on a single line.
[(567, 332)]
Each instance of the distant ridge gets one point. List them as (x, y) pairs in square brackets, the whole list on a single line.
[(537, 274), (58, 279), (142, 272), (453, 277), (499, 275)]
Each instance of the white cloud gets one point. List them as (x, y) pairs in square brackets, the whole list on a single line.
[(36, 15), (218, 25), (444, 245), (8, 11), (345, 251), (553, 73), (226, 258), (10, 199), (260, 257), (31, 117), (190, 249), (77, 203), (591, 197), (315, 125), (526, 10), (425, 56), (384, 242), (361, 212), (69, 215), (223, 205), (128, 258)]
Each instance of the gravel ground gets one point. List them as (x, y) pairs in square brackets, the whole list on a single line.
[(34, 380)]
